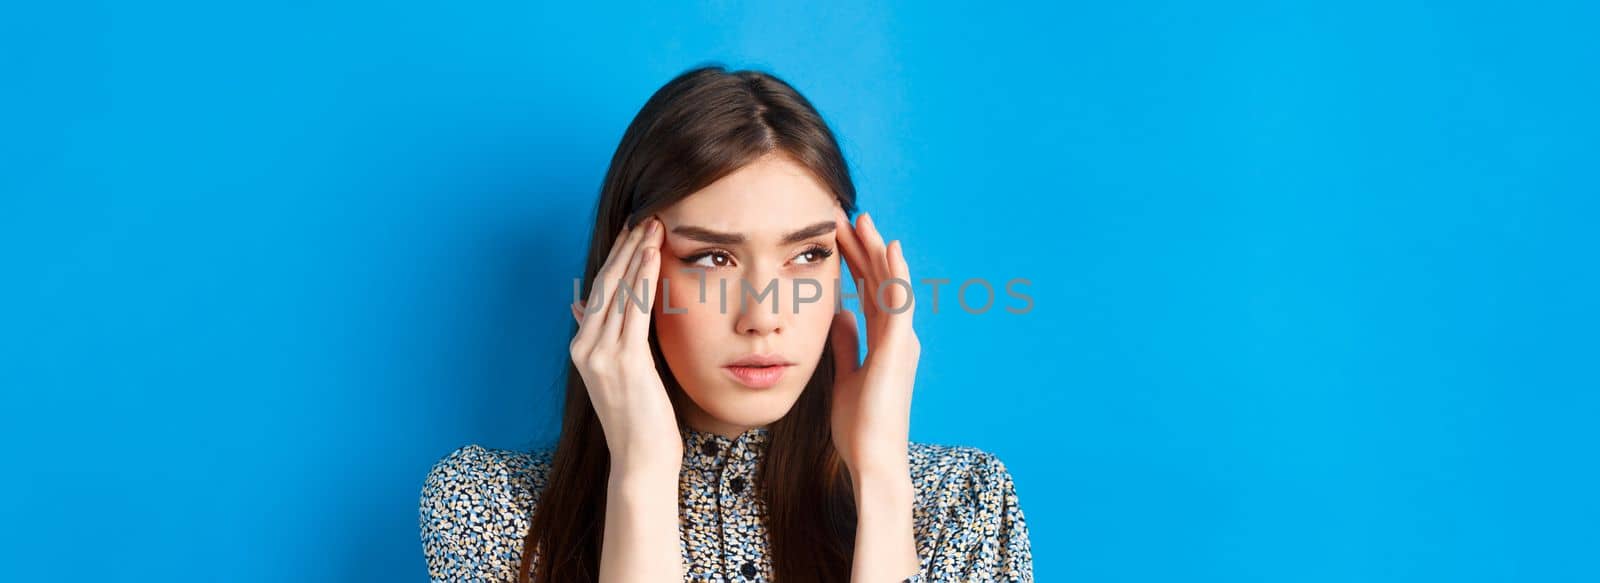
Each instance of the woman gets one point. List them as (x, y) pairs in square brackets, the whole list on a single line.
[(719, 422)]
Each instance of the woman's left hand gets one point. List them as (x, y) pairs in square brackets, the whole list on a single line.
[(871, 414)]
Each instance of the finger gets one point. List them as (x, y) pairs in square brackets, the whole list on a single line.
[(605, 288), (611, 255), (845, 341), (873, 240), (855, 256), (597, 287), (904, 302), (626, 298), (577, 313), (622, 235), (636, 325)]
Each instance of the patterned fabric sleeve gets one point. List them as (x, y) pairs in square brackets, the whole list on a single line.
[(468, 518), (986, 537)]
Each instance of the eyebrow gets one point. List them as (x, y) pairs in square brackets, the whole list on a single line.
[(705, 235)]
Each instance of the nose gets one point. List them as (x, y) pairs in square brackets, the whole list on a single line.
[(759, 312)]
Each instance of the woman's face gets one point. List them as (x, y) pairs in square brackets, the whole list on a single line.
[(760, 235)]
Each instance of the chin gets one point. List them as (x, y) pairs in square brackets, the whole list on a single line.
[(739, 405)]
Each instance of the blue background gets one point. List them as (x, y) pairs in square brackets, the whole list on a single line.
[(1314, 286)]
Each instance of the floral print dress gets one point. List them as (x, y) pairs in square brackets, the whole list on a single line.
[(969, 525)]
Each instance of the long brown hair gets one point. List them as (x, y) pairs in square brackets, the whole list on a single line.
[(702, 125)]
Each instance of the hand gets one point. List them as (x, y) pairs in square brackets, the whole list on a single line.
[(612, 353), (871, 414)]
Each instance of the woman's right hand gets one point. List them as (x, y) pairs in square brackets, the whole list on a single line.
[(612, 353)]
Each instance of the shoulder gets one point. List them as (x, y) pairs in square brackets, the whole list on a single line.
[(930, 460), (474, 509), (498, 479), (968, 520), (950, 475), (475, 466)]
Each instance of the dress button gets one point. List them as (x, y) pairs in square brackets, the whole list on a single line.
[(737, 484), (710, 447), (748, 570)]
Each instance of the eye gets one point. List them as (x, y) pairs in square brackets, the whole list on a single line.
[(717, 259), (815, 254)]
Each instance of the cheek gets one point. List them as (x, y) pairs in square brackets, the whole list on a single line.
[(693, 321), (814, 317)]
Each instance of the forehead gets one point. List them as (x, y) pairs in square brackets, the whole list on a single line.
[(766, 197)]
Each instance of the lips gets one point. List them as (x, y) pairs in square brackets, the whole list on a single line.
[(760, 360), (758, 371)]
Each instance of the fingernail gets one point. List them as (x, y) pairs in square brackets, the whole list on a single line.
[(651, 229)]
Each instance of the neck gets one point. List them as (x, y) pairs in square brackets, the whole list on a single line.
[(708, 424), (697, 419)]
